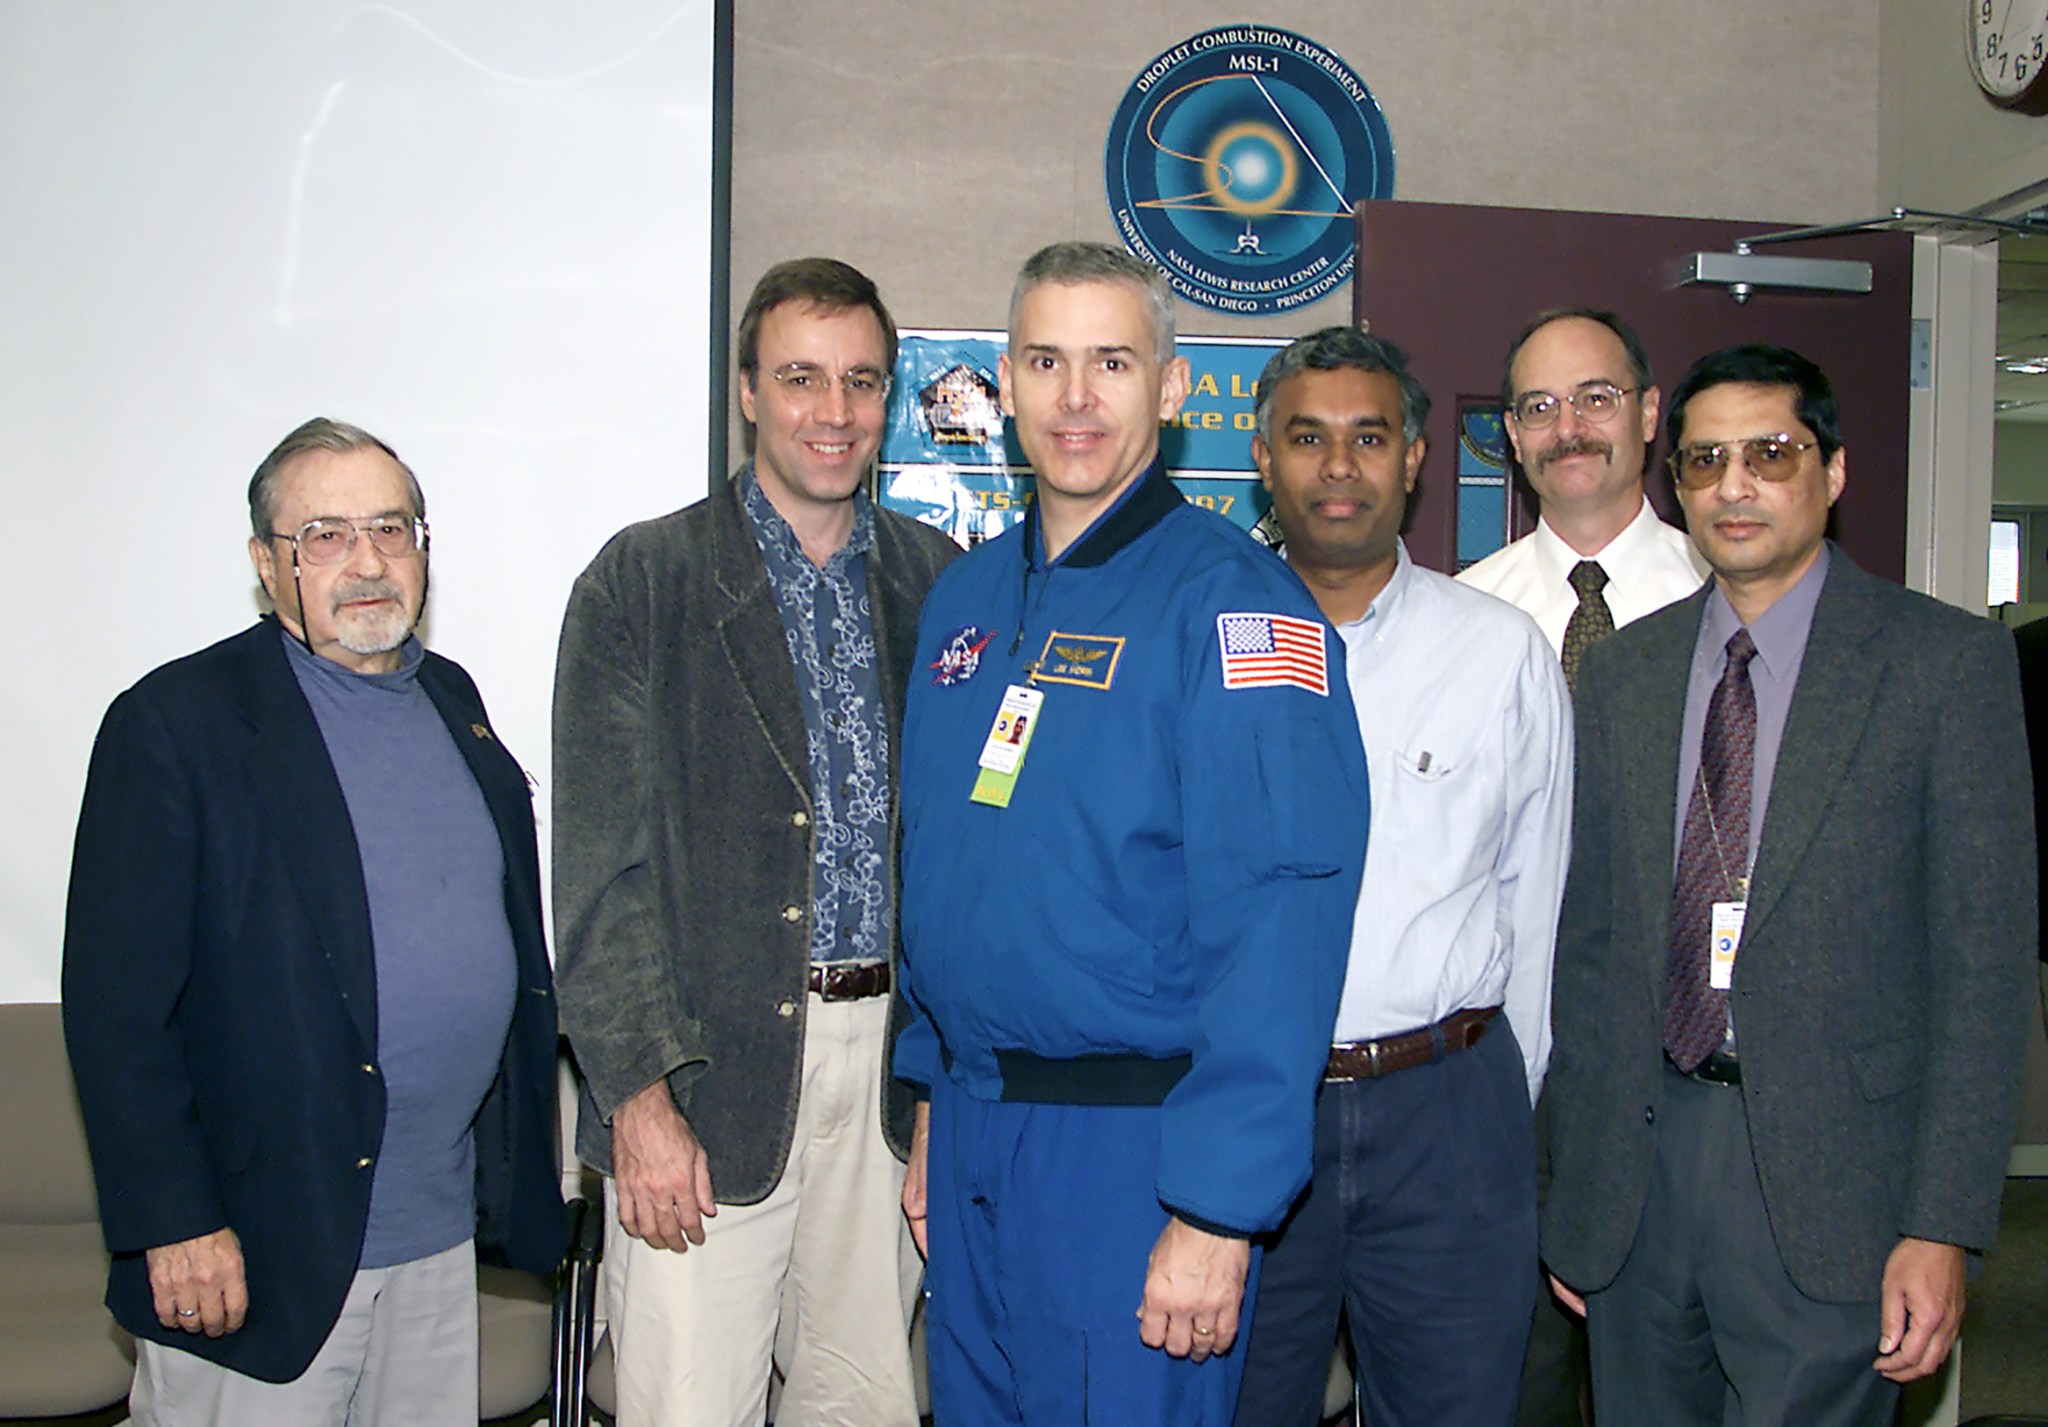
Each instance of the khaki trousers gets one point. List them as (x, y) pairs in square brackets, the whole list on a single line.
[(821, 1259), (403, 1354)]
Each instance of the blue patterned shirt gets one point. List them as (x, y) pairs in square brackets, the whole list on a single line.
[(830, 631)]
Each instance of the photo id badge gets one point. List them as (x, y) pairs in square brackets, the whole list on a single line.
[(1002, 755), (1722, 940)]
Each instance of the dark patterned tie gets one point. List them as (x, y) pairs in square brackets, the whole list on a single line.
[(1713, 860), (1591, 621)]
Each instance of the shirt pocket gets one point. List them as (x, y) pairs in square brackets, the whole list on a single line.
[(1438, 810), (1426, 766)]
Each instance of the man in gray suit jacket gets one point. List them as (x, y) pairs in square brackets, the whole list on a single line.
[(727, 703), (1783, 1084)]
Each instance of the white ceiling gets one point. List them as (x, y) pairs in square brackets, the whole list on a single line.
[(2022, 328)]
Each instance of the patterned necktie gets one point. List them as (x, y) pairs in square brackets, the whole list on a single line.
[(1590, 621), (1713, 861)]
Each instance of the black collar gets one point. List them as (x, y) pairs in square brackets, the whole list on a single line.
[(1151, 499)]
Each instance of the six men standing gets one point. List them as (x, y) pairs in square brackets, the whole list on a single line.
[(1152, 966)]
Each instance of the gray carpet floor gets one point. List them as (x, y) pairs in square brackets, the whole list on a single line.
[(2005, 1327)]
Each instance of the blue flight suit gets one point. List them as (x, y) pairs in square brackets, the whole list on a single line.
[(1123, 983)]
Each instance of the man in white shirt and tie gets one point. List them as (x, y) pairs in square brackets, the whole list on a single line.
[(1581, 409), (1581, 415)]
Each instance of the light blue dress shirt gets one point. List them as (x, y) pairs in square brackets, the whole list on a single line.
[(1468, 742)]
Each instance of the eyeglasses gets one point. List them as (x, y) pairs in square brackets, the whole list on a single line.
[(328, 540), (1768, 458), (811, 385), (1595, 402)]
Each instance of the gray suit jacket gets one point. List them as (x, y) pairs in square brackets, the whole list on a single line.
[(683, 823), (1881, 988)]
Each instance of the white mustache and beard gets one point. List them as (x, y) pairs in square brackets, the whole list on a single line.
[(377, 629)]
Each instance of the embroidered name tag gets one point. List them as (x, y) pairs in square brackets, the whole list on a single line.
[(1088, 660)]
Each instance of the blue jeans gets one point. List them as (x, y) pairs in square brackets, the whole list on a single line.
[(1420, 1225)]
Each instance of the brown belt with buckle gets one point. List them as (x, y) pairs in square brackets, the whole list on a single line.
[(1363, 1060), (850, 980)]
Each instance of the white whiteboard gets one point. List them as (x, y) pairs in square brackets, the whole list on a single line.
[(481, 229)]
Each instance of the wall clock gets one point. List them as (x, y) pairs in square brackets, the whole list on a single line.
[(2009, 52)]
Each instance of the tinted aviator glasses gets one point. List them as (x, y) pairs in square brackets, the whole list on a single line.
[(328, 540), (1768, 458), (1595, 402)]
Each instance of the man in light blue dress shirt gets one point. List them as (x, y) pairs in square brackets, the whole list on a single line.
[(1420, 1222)]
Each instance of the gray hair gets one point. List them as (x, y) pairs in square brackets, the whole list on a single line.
[(1071, 264), (1343, 349), (320, 434)]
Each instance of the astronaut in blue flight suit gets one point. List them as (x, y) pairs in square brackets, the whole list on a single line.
[(1134, 820)]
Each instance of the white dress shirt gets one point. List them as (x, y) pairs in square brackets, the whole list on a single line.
[(1468, 742), (1648, 565)]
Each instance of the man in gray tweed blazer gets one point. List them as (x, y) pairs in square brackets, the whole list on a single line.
[(1792, 960), (727, 704)]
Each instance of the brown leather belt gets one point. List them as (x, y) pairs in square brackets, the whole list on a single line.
[(1363, 1060), (849, 980)]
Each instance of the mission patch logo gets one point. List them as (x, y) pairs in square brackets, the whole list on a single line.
[(1234, 164)]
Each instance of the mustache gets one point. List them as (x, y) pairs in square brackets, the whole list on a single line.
[(378, 589), (1578, 446)]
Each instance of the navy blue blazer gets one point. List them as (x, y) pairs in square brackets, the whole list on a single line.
[(220, 1002)]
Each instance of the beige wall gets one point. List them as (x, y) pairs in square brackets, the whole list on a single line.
[(1941, 145), (936, 145)]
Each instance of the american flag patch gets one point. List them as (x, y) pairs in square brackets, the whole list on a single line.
[(1265, 651)]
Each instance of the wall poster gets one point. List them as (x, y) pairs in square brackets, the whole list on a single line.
[(951, 460)]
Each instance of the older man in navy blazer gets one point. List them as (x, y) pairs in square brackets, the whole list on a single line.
[(305, 991), (1791, 965)]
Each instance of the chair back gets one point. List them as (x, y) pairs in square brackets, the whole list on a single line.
[(60, 1351), (45, 1174)]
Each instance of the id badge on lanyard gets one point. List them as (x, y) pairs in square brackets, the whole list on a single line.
[(1724, 935), (1009, 739)]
